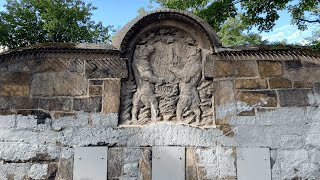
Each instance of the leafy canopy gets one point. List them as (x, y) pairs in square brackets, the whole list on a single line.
[(27, 22), (260, 13), (232, 32)]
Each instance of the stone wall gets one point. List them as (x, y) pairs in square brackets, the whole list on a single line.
[(55, 99)]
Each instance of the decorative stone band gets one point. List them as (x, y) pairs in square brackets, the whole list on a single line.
[(277, 55), (93, 60)]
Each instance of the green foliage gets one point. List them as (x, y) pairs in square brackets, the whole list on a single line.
[(232, 33), (314, 40), (27, 22), (260, 13)]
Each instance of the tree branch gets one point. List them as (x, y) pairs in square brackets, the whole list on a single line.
[(310, 21)]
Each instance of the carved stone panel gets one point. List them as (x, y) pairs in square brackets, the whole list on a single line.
[(166, 81)]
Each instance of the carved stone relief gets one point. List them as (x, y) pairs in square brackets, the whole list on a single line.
[(166, 81)]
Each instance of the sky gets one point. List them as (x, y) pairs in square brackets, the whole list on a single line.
[(120, 12)]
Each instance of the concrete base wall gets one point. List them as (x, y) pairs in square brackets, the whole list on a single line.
[(33, 149)]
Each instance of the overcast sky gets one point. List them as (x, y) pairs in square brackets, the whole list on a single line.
[(119, 12)]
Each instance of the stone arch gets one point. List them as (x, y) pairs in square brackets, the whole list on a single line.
[(126, 38)]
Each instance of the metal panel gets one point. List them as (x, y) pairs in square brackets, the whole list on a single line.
[(168, 163), (90, 163), (253, 164)]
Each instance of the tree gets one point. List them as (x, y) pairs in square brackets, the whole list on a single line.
[(232, 32), (260, 13), (314, 40), (27, 22)]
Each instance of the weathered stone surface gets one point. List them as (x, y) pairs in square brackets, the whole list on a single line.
[(26, 121), (15, 152), (303, 75), (56, 104), (115, 162), (191, 164), (15, 171), (111, 67), (317, 87), (79, 120), (258, 98), (91, 104), (14, 90), (65, 169), (15, 78), (106, 120), (294, 97), (38, 171), (209, 66), (95, 90), (211, 163), (59, 84), (95, 82), (302, 85), (111, 96), (270, 68), (235, 69), (296, 64), (251, 84), (5, 102), (25, 103), (225, 98), (278, 83), (145, 164), (7, 121)]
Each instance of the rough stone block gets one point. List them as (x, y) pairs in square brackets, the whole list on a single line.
[(296, 64), (56, 104), (131, 169), (291, 141), (302, 85), (5, 102), (115, 157), (294, 97), (317, 87), (111, 96), (106, 120), (7, 121), (15, 78), (14, 90), (59, 84), (13, 171), (25, 103), (80, 120), (251, 84), (258, 98), (95, 90), (235, 69), (314, 156), (145, 164), (91, 104), (270, 68), (191, 164), (25, 152), (65, 169), (209, 66), (26, 121), (94, 82), (278, 83), (303, 75), (38, 171)]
